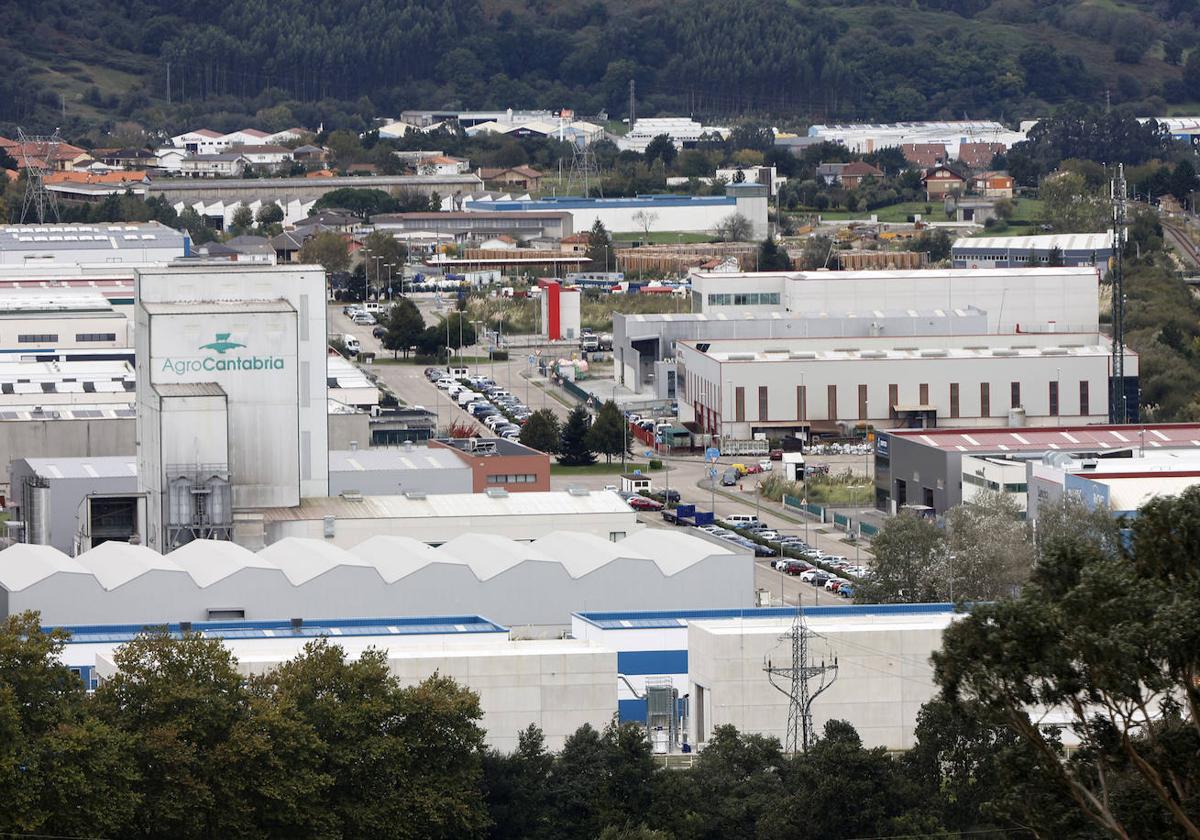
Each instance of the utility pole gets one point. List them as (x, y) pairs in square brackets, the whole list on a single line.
[(168, 83), (800, 692), (1117, 408), (37, 158), (632, 102)]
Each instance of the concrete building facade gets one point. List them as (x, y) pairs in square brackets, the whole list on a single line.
[(1091, 250)]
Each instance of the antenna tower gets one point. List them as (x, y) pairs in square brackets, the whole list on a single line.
[(37, 158), (1118, 409), (585, 173), (805, 683)]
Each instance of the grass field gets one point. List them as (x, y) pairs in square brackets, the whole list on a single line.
[(600, 468), (596, 311), (663, 237)]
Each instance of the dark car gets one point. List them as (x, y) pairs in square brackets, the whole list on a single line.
[(378, 332)]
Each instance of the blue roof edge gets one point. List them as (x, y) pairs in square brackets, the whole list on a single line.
[(832, 610), (472, 624)]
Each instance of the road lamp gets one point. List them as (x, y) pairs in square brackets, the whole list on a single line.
[(366, 271), (390, 266)]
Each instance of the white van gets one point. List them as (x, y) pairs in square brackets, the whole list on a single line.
[(741, 520), (351, 343)]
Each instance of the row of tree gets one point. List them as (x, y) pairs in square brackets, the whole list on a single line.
[(581, 438)]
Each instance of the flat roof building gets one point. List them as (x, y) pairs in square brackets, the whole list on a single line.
[(552, 224), (350, 519), (558, 685), (47, 321), (386, 472), (784, 387), (1015, 299), (56, 244), (74, 504), (925, 466), (686, 213), (1073, 249)]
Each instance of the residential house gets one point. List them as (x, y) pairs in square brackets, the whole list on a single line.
[(993, 184), (941, 181), (924, 155), (287, 245), (341, 222), (222, 165), (132, 159), (254, 249), (576, 243), (521, 177), (61, 158), (270, 157), (973, 210), (853, 173), (310, 154), (96, 186), (245, 137), (979, 155), (441, 165), (169, 158), (831, 173)]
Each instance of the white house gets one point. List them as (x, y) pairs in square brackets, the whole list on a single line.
[(223, 165), (442, 165), (267, 156), (202, 141)]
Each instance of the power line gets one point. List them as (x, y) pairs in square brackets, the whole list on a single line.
[(37, 157), (800, 694), (1117, 404)]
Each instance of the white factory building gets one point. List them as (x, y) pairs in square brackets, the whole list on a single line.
[(351, 518), (1016, 299), (81, 384), (684, 213), (536, 584), (741, 388), (231, 394), (683, 131), (41, 245), (865, 138), (558, 685), (37, 321)]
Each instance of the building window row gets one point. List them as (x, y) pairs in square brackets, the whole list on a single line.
[(744, 299), (36, 338), (95, 336), (512, 478)]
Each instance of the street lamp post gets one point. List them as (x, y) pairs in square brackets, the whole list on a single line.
[(390, 266), (366, 274)]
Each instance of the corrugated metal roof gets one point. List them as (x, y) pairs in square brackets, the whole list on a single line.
[(553, 503), (1069, 438), (217, 307), (665, 619), (371, 460), (114, 466), (188, 389), (1063, 241)]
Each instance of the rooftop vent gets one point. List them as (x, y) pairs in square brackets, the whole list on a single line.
[(352, 496), (579, 491), (1054, 351), (742, 357), (802, 354), (1004, 351), (497, 493), (414, 495), (934, 353)]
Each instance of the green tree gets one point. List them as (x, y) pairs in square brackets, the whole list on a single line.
[(243, 219), (661, 148), (1055, 258), (935, 243), (541, 431), (178, 699), (1071, 206), (989, 549), (404, 327), (910, 560), (599, 247), (381, 249), (328, 250), (269, 214), (771, 257), (516, 787), (361, 202), (1107, 636), (608, 435), (573, 449)]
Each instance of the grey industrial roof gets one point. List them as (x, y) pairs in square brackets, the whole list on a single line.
[(553, 503), (188, 389), (217, 307), (1062, 241), (114, 466), (39, 237), (417, 458)]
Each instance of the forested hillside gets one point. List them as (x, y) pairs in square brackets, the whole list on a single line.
[(342, 62)]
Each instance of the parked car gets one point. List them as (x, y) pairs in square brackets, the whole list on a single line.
[(378, 332), (776, 455), (644, 503), (446, 384), (846, 590), (796, 567)]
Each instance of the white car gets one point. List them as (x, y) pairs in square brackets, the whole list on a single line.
[(445, 384), (808, 576)]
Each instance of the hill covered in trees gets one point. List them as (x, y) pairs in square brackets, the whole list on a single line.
[(342, 62)]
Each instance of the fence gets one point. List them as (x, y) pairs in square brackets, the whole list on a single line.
[(822, 515)]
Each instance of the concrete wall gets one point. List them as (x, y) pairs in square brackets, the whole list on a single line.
[(922, 469), (64, 439), (65, 327), (391, 482), (884, 675), (237, 190)]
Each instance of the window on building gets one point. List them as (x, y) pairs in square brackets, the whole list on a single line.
[(862, 402), (762, 402), (924, 394), (831, 402), (95, 336), (739, 404), (1054, 399), (985, 399), (801, 402), (893, 400), (1084, 407), (953, 399), (512, 478), (1016, 395), (36, 338)]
